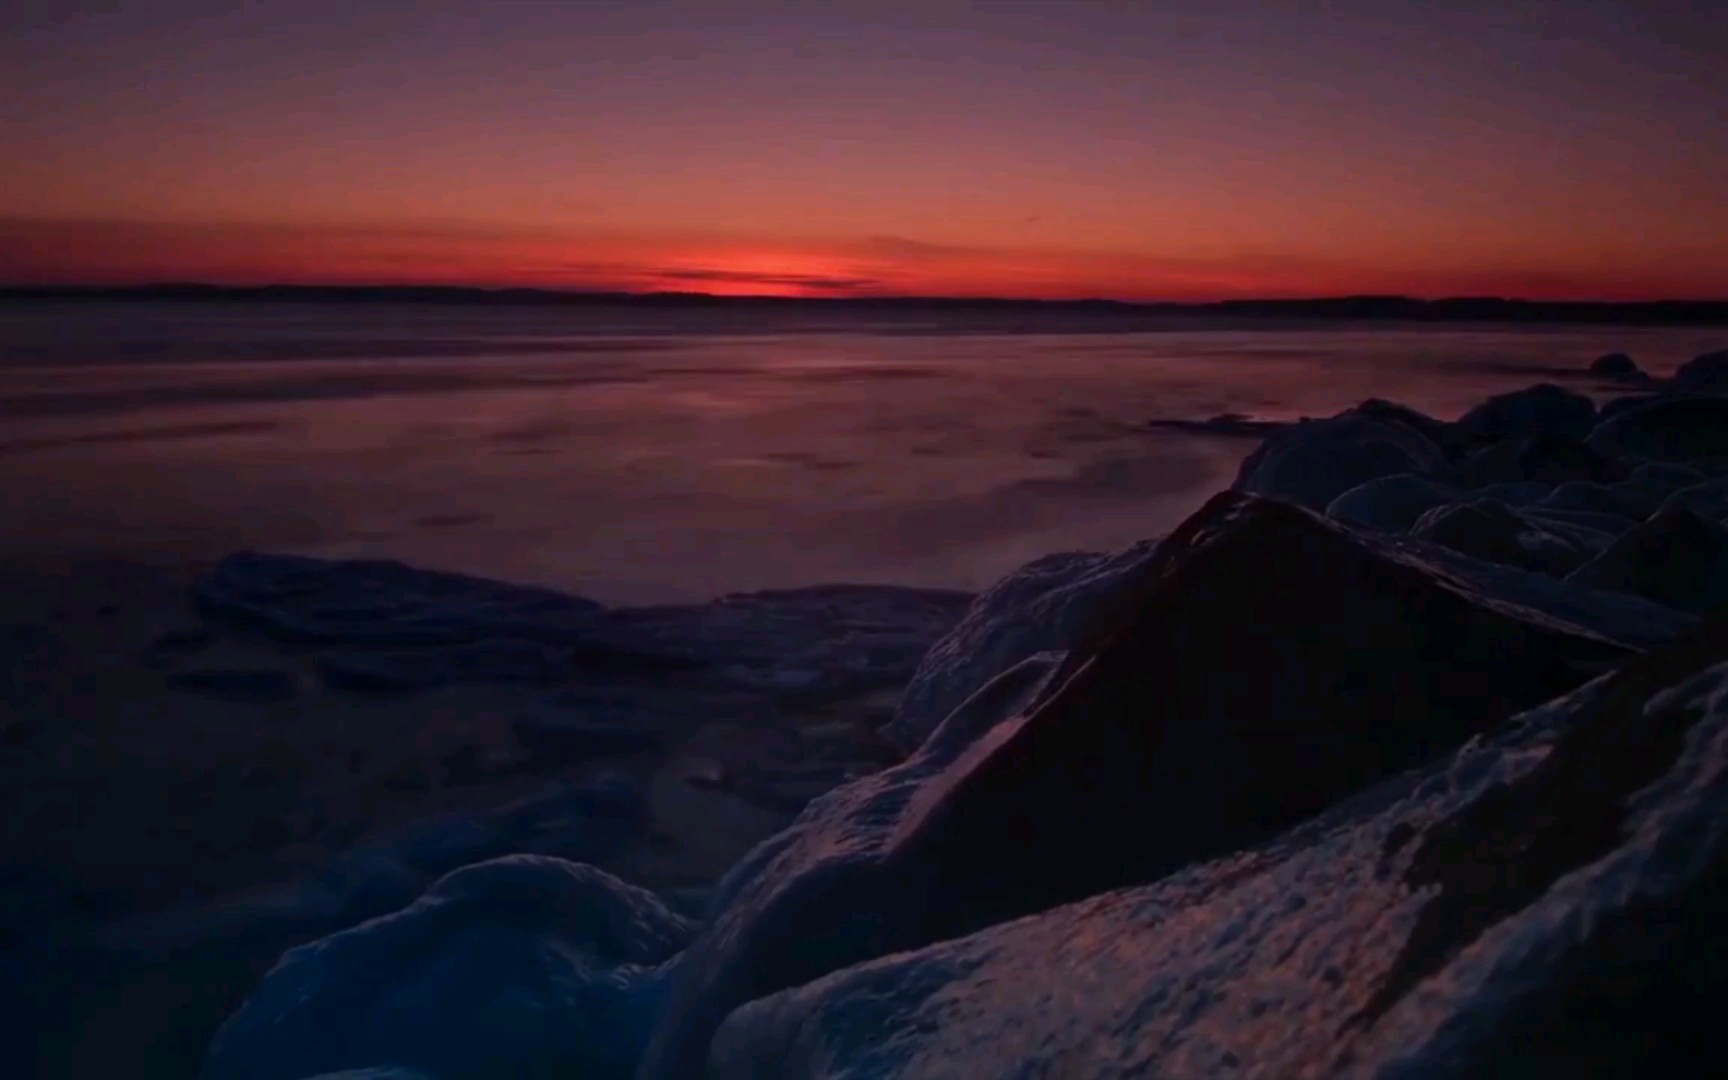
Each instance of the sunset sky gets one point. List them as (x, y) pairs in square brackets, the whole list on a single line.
[(1050, 148)]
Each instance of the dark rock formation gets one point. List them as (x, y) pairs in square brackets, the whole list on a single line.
[(1494, 532), (1666, 429), (1348, 662), (524, 966), (1546, 903), (1676, 558), (1545, 409)]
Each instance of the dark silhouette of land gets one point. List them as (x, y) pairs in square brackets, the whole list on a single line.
[(1388, 308)]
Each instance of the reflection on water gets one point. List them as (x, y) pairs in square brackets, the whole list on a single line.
[(639, 455)]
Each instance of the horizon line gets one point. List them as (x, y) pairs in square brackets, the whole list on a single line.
[(17, 290)]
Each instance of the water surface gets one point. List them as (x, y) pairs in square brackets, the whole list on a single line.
[(642, 455)]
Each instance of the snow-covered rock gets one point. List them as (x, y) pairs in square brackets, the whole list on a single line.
[(522, 967), (1545, 409), (1045, 606), (1391, 503), (1546, 902), (1348, 660)]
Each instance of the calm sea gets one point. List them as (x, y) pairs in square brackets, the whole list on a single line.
[(641, 455)]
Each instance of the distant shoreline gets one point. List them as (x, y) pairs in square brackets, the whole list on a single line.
[(1377, 308)]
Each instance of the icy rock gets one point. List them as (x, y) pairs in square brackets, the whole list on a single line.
[(1546, 898), (522, 967)]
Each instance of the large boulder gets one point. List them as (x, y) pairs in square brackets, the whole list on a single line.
[(1494, 532), (1666, 429), (525, 966), (1266, 664), (1545, 903), (1676, 558), (1391, 503), (1538, 410), (1706, 374), (1045, 606), (1316, 461)]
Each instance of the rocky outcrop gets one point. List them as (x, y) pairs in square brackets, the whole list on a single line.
[(1539, 410), (1045, 606), (1326, 636), (525, 966), (1549, 897)]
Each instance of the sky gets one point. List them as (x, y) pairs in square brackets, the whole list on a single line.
[(1027, 148)]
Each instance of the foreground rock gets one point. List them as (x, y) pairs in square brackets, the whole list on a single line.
[(1546, 899), (522, 967), (1348, 660), (1046, 606)]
